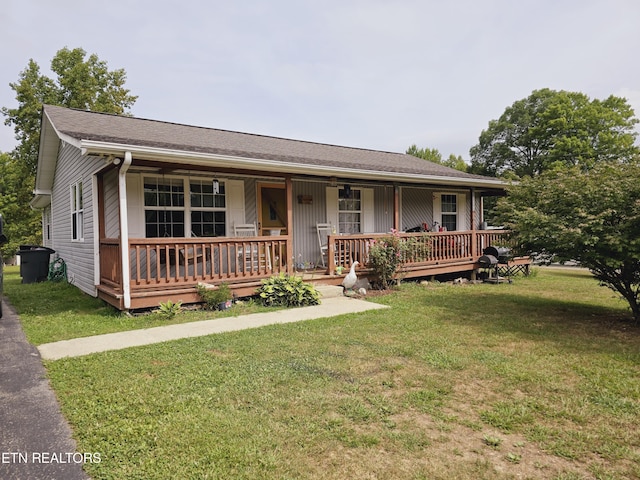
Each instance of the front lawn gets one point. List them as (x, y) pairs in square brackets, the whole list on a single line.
[(535, 379), (50, 312)]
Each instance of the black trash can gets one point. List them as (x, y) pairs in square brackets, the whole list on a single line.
[(34, 263), (22, 249)]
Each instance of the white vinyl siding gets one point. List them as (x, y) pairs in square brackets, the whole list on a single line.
[(73, 168)]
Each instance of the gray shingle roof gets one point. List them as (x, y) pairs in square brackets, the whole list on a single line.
[(101, 127)]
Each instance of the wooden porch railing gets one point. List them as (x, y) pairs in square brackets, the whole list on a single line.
[(181, 262), (163, 262), (110, 263), (429, 248)]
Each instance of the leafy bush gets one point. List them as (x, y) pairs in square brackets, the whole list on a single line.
[(287, 291), (169, 309), (388, 254), (215, 296)]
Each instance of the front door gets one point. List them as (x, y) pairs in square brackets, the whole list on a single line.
[(272, 209)]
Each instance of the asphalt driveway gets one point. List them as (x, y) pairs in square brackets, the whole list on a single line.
[(35, 439)]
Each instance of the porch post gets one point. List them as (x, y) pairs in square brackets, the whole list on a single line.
[(396, 207), (98, 215), (473, 208), (124, 230), (474, 235), (289, 193)]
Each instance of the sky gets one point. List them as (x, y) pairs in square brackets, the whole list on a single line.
[(378, 74)]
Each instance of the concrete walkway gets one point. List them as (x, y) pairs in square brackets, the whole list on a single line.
[(330, 306)]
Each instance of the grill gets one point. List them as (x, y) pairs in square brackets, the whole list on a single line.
[(503, 254), (491, 260)]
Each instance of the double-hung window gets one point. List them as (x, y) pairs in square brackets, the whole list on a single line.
[(77, 212), (164, 207), (449, 211), (349, 210), (208, 208)]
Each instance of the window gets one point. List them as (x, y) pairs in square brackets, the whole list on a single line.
[(208, 209), (349, 210), (449, 208), (77, 212), (171, 213), (164, 207), (47, 224)]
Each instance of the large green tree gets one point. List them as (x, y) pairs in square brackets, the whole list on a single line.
[(80, 82), (434, 155), (552, 128), (23, 225), (591, 216)]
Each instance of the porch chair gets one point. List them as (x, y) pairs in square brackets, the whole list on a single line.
[(324, 230), (245, 230), (254, 255), (193, 254)]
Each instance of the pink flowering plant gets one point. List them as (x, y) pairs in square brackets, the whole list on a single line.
[(388, 254)]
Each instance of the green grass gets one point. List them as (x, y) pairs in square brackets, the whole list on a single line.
[(58, 311), (535, 379)]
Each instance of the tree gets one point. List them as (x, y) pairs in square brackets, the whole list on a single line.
[(592, 216), (555, 128), (22, 223), (434, 155), (85, 84), (456, 162)]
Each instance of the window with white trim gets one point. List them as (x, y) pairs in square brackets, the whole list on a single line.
[(77, 212), (164, 207), (169, 212), (208, 208), (349, 210), (449, 209), (46, 229)]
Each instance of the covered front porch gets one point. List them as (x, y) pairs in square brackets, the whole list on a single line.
[(159, 269)]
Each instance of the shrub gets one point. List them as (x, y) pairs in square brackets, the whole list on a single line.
[(215, 296), (169, 309), (388, 254), (287, 291)]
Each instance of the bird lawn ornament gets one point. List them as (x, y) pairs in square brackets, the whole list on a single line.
[(350, 280)]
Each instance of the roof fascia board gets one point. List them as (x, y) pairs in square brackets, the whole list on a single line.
[(92, 147)]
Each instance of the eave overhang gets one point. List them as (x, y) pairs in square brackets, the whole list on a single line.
[(186, 158)]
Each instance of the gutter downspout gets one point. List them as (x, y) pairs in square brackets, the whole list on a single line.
[(124, 229)]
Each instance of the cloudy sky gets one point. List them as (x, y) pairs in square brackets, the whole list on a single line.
[(381, 74)]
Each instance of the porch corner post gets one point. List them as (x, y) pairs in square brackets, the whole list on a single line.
[(289, 193), (474, 234), (124, 230)]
